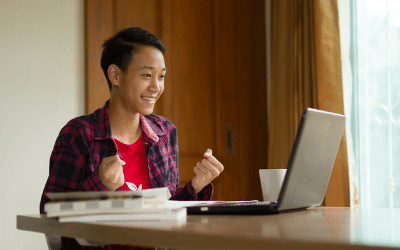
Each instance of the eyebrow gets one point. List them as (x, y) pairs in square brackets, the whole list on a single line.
[(152, 68)]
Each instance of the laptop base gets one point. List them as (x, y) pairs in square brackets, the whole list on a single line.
[(235, 209)]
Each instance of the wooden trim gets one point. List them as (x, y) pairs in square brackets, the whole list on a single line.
[(98, 27)]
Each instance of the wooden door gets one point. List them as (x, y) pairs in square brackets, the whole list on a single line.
[(215, 89)]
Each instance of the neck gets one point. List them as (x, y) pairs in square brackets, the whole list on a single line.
[(125, 125)]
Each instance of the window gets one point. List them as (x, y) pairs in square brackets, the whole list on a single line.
[(374, 57)]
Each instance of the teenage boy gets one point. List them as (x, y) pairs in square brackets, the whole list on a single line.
[(122, 146)]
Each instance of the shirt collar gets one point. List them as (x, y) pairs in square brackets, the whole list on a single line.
[(104, 127), (150, 129)]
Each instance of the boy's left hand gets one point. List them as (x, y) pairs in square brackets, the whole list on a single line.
[(206, 170)]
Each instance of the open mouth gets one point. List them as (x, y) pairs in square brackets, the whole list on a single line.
[(151, 100)]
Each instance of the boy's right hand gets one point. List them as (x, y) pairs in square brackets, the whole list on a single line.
[(111, 172)]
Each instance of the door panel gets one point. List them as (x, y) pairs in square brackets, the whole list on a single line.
[(99, 26), (192, 46), (251, 75), (143, 14), (228, 185)]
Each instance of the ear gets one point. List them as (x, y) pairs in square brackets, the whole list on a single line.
[(114, 74)]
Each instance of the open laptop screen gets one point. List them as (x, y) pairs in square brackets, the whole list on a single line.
[(312, 159)]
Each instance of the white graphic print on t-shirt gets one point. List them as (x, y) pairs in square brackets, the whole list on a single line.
[(133, 187)]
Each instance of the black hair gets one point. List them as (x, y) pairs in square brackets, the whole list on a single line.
[(120, 48)]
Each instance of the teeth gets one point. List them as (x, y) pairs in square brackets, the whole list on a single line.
[(149, 99)]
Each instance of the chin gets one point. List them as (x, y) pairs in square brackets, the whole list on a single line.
[(147, 112)]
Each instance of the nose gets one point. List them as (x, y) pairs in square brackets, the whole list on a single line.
[(155, 85)]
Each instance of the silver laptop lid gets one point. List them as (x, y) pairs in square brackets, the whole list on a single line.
[(312, 159)]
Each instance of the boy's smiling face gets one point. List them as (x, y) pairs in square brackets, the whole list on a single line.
[(143, 82)]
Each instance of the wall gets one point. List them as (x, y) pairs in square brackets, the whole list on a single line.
[(42, 87)]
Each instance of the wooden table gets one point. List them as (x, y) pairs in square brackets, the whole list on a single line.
[(316, 228)]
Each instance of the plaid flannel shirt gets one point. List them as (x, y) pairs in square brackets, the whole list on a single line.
[(85, 141)]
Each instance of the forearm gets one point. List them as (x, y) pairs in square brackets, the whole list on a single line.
[(187, 193)]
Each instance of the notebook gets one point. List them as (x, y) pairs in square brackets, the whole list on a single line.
[(308, 171)]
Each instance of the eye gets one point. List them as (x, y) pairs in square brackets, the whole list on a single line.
[(147, 75), (162, 76)]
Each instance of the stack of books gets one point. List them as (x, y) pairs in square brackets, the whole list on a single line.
[(117, 206)]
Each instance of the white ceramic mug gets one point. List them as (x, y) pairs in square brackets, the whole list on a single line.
[(271, 183)]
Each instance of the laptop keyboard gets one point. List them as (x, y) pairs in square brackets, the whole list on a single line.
[(238, 208), (244, 204)]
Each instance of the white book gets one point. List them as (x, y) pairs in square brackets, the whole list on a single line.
[(68, 208), (151, 215), (152, 194), (102, 202)]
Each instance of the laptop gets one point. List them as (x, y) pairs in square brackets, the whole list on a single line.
[(308, 171)]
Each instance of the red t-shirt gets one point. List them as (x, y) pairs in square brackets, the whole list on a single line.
[(136, 176), (135, 169)]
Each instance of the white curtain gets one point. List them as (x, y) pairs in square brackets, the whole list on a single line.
[(370, 38), (345, 41)]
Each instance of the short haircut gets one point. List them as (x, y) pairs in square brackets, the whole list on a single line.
[(120, 48)]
